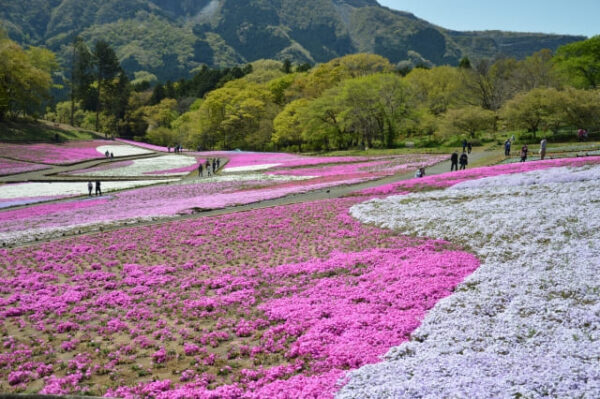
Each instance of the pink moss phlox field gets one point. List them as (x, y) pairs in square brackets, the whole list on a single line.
[(9, 202), (239, 159), (271, 303), (452, 178), (11, 167), (374, 168), (56, 154)]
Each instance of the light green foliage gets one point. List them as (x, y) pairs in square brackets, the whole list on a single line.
[(161, 114), (144, 76), (469, 119), (25, 78), (289, 124), (580, 62), (437, 88)]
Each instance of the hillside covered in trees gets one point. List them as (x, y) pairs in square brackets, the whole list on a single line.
[(356, 101), (169, 39)]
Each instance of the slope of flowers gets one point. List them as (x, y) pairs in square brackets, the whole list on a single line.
[(67, 153), (165, 165), (240, 161), (278, 302), (152, 147), (525, 324), (372, 168), (28, 193), (452, 178), (11, 167), (171, 200)]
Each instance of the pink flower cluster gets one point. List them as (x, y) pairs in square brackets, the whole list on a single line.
[(55, 154), (276, 302), (11, 167)]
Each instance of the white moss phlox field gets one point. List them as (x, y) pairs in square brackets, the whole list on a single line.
[(250, 168), (147, 167), (527, 322), (122, 150), (23, 190)]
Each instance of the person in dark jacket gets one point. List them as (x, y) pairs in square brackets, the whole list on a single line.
[(98, 189), (454, 161), (464, 160)]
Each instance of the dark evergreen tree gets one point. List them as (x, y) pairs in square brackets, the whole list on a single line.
[(107, 68)]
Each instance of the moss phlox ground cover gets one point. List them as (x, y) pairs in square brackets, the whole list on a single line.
[(273, 301)]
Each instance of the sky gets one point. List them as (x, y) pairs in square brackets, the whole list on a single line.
[(575, 17)]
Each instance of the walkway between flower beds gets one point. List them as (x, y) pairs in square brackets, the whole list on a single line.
[(52, 174)]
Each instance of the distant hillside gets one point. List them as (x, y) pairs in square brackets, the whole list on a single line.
[(169, 38)]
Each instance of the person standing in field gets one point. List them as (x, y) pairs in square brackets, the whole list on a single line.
[(464, 160), (524, 151), (98, 189), (90, 186), (469, 147), (454, 161), (464, 144), (507, 147), (543, 148), (200, 169)]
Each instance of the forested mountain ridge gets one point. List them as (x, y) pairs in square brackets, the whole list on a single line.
[(169, 38)]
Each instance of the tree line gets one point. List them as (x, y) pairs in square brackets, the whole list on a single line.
[(359, 100)]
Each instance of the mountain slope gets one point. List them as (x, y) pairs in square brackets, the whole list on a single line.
[(171, 37)]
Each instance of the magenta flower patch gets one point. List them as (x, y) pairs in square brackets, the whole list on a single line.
[(272, 302)]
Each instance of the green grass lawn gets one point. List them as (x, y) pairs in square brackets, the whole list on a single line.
[(41, 131)]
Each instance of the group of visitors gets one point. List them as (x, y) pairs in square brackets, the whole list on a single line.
[(109, 154), (211, 165), (455, 160), (178, 149), (525, 149), (91, 186), (467, 146)]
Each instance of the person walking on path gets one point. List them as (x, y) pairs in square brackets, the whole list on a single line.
[(90, 187), (524, 151), (214, 165), (218, 163), (200, 169), (454, 161), (469, 147), (464, 160), (507, 148), (98, 189), (208, 167), (543, 148), (464, 144)]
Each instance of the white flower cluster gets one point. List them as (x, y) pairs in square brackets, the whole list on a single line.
[(527, 322), (260, 177), (250, 168), (146, 167), (66, 189), (122, 150)]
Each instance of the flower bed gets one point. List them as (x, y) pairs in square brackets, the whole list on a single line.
[(11, 167), (166, 165), (250, 305), (452, 178), (28, 193), (525, 324), (67, 153), (211, 193)]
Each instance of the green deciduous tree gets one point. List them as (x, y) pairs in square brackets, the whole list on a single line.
[(25, 78), (470, 119), (580, 62)]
